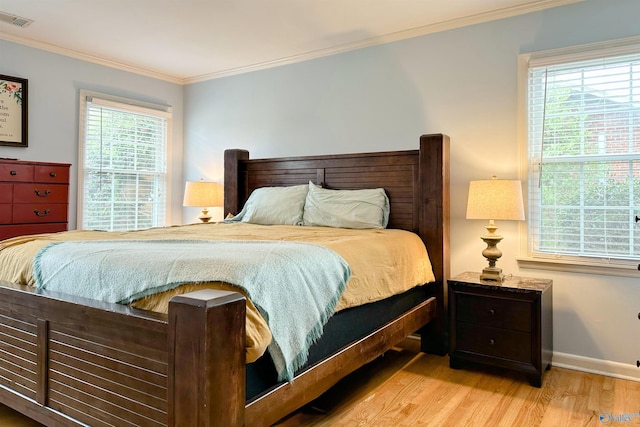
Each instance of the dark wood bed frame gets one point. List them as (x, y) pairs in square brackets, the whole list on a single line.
[(68, 361)]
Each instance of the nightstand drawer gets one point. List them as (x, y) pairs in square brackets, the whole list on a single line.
[(506, 324), (496, 312), (495, 342)]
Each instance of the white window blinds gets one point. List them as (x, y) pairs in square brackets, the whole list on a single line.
[(124, 166), (584, 157)]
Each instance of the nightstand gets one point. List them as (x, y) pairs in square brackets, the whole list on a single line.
[(506, 324)]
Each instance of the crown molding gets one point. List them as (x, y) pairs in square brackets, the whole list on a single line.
[(87, 57), (533, 6)]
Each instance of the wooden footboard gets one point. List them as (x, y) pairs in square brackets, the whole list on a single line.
[(75, 362), (69, 361)]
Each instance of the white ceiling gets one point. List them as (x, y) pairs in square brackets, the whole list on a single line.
[(191, 40)]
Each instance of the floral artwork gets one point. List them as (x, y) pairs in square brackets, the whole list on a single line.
[(13, 111), (13, 89)]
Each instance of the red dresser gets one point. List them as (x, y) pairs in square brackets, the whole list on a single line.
[(34, 197)]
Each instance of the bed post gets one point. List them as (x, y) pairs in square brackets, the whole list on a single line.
[(434, 229), (234, 185), (206, 359)]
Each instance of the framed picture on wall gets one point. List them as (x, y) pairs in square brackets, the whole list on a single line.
[(13, 111)]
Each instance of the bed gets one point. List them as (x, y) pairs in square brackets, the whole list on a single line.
[(62, 356)]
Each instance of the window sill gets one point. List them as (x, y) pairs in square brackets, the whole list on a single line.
[(571, 266)]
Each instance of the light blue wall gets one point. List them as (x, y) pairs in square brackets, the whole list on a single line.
[(461, 82), (55, 82)]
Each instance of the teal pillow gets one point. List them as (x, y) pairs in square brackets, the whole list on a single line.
[(368, 208), (274, 206)]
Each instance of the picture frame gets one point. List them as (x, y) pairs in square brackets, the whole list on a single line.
[(13, 111)]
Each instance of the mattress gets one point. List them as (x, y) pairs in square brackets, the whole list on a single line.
[(383, 262)]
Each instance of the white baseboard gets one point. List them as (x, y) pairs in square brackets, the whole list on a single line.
[(596, 366)]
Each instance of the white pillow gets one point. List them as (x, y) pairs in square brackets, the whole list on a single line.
[(274, 206), (367, 208)]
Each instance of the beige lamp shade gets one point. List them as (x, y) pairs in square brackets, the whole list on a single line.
[(203, 194), (495, 199)]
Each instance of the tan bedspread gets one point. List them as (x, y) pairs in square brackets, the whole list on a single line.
[(383, 262)]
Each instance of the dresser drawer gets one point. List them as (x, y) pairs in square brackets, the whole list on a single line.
[(6, 193), (496, 312), (495, 342), (39, 212), (40, 193), (51, 173), (8, 231), (5, 213), (34, 197), (16, 172)]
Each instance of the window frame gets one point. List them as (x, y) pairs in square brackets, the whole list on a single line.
[(165, 110), (557, 262)]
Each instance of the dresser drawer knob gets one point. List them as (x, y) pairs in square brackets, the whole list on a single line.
[(52, 174), (39, 194), (492, 341), (38, 213), (13, 173), (492, 312)]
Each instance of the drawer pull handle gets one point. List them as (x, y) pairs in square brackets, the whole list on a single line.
[(492, 311), (38, 213), (13, 173), (492, 341), (39, 194), (52, 174)]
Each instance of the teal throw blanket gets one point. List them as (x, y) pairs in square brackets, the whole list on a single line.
[(295, 286)]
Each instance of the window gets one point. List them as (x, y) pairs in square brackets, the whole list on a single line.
[(583, 140), (123, 164)]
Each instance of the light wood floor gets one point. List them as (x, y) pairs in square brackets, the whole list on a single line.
[(408, 388)]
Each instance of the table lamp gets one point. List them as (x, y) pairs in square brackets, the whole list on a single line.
[(203, 194), (494, 199)]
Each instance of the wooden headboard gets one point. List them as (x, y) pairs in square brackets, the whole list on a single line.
[(416, 181)]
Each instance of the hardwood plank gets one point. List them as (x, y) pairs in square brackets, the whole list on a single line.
[(409, 388)]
